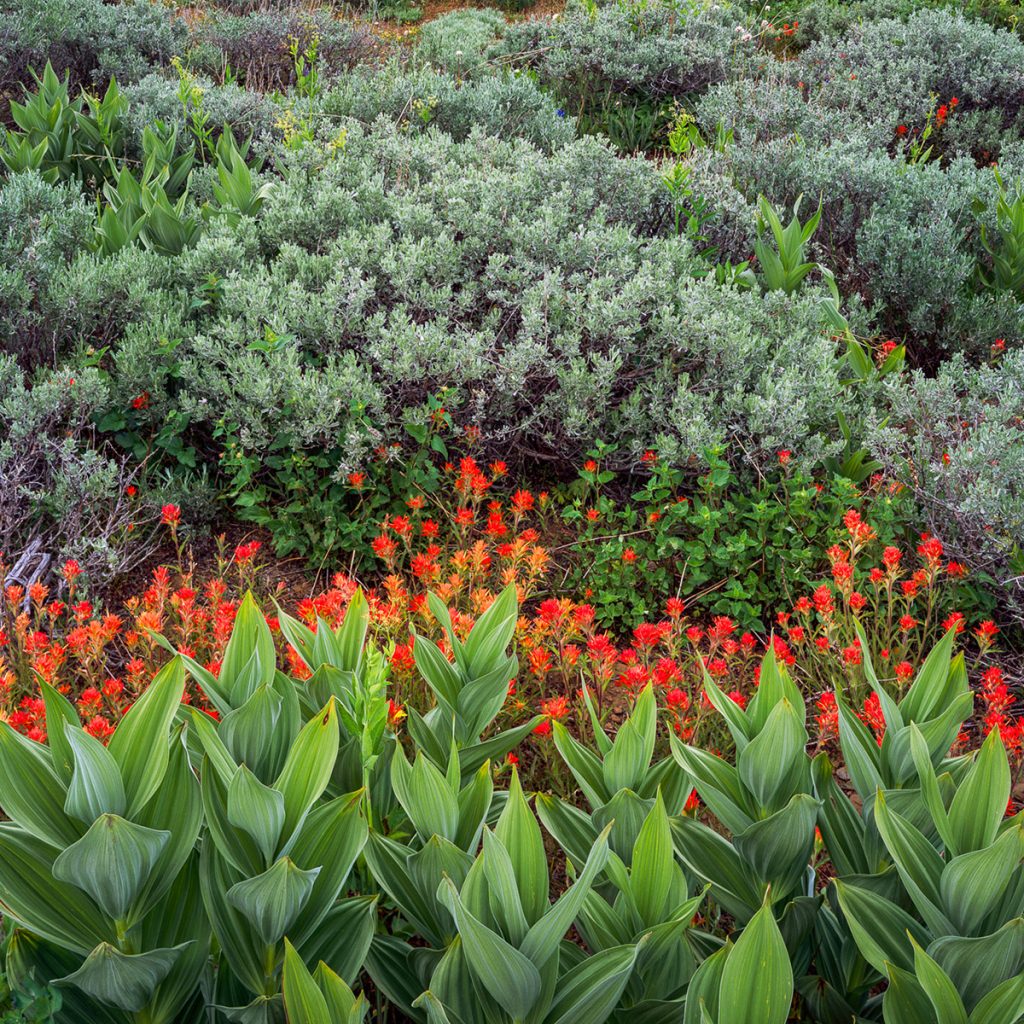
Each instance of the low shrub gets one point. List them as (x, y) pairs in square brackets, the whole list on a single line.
[(458, 42), (91, 40)]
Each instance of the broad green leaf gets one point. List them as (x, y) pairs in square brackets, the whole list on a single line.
[(949, 1008), (778, 849), (112, 862), (60, 713), (249, 659), (879, 927), (588, 993), (426, 796), (307, 769), (139, 744), (626, 763), (31, 794), (773, 766), (980, 801), (31, 895), (492, 632), (757, 980), (652, 866), (96, 787), (977, 966), (520, 835), (925, 696), (303, 1000), (271, 902), (123, 980), (543, 938), (918, 863), (503, 895), (441, 676), (257, 809), (973, 883), (585, 766), (1003, 1005), (507, 975)]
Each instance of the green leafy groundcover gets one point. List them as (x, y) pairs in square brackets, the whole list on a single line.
[(264, 863)]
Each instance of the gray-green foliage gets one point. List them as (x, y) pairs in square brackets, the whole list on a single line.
[(420, 97), (90, 39), (657, 49), (529, 285), (56, 484), (957, 439), (458, 42), (42, 227)]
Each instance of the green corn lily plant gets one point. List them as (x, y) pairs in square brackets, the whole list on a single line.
[(441, 833), (764, 801), (937, 703), (355, 674), (282, 837), (951, 943), (318, 998), (234, 191), (275, 862), (510, 962), (619, 781), (98, 864), (750, 982), (470, 692), (783, 267), (651, 898)]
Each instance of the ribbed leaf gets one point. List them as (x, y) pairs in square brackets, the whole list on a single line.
[(918, 864), (139, 744), (271, 902), (60, 713), (96, 787), (879, 927), (773, 766), (778, 848), (718, 784), (973, 883), (249, 659), (492, 632), (252, 732), (713, 859), (652, 867), (331, 839), (31, 794), (949, 1008), (438, 672), (503, 895), (589, 992), (501, 969), (977, 966), (426, 796), (122, 980), (304, 1002), (757, 980), (112, 862), (1003, 1005), (257, 809), (585, 766), (520, 835), (980, 801), (54, 910), (308, 767), (544, 937)]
